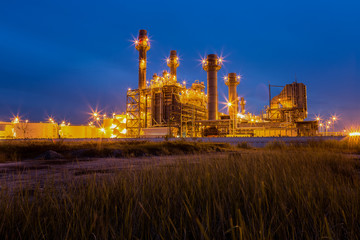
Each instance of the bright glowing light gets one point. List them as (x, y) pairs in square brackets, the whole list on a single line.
[(112, 136), (354, 134), (95, 114), (104, 115), (129, 89), (113, 126), (334, 118), (102, 130), (123, 131), (329, 122), (97, 119), (124, 120), (184, 82), (16, 120), (229, 104), (239, 115), (321, 124), (317, 119)]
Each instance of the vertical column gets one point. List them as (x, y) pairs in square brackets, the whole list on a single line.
[(212, 65), (142, 44)]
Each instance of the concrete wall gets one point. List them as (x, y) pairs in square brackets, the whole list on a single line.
[(35, 130)]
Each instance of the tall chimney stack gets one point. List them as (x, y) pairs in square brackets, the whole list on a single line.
[(173, 63), (142, 44), (212, 65), (232, 81)]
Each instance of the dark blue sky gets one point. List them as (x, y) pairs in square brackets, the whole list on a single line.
[(60, 57)]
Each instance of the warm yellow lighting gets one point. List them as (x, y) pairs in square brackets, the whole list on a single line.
[(113, 126), (354, 134), (95, 114), (104, 115), (317, 119), (26, 121), (184, 82), (329, 122), (16, 120), (124, 120), (321, 124), (123, 131), (129, 89), (229, 104), (334, 118), (97, 119), (102, 130)]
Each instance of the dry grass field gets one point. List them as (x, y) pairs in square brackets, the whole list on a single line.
[(186, 191)]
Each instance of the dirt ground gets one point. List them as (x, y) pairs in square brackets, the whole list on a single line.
[(29, 173)]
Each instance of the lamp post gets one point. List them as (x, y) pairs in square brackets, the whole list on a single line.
[(333, 121)]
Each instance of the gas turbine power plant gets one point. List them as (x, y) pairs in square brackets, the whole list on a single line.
[(164, 107)]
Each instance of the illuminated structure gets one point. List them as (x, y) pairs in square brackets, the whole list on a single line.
[(242, 105), (232, 81), (212, 65), (290, 105), (163, 106), (142, 45)]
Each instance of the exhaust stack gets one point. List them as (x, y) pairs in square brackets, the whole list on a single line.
[(212, 65), (173, 63), (142, 44), (232, 81), (242, 105)]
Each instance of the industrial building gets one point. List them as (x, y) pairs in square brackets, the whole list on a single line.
[(164, 106)]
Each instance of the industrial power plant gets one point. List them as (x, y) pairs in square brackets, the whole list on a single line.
[(162, 106)]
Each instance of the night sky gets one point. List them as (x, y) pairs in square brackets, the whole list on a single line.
[(60, 58)]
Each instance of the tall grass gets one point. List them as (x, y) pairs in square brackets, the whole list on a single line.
[(262, 195), (19, 150)]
